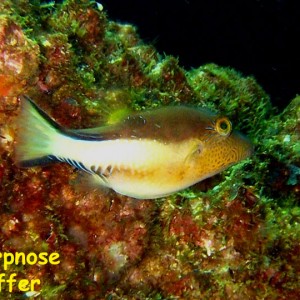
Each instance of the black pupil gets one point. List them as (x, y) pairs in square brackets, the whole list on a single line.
[(224, 125)]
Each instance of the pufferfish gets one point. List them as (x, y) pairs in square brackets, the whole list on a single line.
[(145, 155)]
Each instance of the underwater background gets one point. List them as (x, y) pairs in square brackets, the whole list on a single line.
[(233, 236), (256, 37)]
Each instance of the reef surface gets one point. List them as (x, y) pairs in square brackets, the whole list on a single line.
[(233, 236)]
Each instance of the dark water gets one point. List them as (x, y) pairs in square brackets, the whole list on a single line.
[(256, 37)]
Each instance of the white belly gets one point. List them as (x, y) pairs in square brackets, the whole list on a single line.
[(137, 168)]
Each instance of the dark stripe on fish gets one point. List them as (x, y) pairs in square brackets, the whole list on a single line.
[(74, 163), (42, 161)]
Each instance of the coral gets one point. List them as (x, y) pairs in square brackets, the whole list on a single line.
[(233, 236)]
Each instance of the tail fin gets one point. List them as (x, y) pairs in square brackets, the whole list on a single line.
[(36, 135)]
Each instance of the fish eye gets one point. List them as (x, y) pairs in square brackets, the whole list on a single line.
[(223, 126)]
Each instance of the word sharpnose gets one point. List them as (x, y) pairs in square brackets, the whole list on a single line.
[(24, 285), (145, 155)]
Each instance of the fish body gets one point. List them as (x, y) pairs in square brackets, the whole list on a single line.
[(145, 155)]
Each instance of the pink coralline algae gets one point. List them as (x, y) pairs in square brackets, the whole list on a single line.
[(233, 236), (19, 58)]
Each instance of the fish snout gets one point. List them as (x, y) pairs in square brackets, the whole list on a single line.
[(244, 146)]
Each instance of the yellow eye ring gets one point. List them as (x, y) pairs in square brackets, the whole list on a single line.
[(223, 126)]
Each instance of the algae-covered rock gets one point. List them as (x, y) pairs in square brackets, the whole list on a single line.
[(233, 236)]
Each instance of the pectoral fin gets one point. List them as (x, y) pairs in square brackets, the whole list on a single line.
[(194, 151)]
